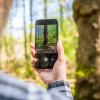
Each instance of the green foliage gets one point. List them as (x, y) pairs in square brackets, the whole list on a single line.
[(85, 71), (69, 38)]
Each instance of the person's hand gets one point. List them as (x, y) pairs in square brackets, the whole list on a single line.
[(59, 70)]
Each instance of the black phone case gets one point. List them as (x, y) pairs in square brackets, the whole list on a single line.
[(46, 60)]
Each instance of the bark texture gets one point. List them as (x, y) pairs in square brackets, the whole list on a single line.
[(87, 17)]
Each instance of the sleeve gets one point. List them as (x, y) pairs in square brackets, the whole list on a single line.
[(13, 89), (62, 87)]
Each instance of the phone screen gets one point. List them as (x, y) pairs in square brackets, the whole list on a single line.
[(46, 37)]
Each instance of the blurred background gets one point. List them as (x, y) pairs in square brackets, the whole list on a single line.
[(15, 54), (81, 50)]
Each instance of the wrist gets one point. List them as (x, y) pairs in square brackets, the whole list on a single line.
[(63, 78)]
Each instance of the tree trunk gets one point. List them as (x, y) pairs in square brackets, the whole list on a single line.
[(45, 35), (87, 17), (45, 8), (61, 2), (31, 20), (4, 11), (25, 33)]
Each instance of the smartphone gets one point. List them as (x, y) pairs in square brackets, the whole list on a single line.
[(46, 37)]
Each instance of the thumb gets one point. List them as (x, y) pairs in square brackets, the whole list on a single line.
[(60, 50)]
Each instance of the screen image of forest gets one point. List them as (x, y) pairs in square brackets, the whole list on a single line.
[(46, 37)]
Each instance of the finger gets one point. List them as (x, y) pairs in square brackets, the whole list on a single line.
[(60, 50), (33, 46), (33, 52), (48, 70), (43, 70), (34, 60), (40, 70)]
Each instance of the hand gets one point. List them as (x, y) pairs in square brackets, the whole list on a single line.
[(59, 70)]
